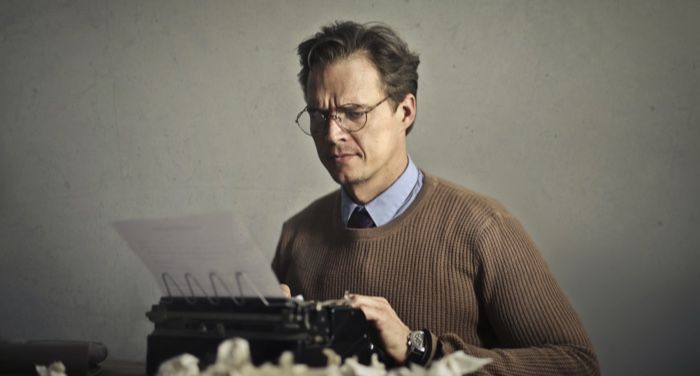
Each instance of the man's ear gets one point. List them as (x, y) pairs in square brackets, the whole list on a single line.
[(406, 110)]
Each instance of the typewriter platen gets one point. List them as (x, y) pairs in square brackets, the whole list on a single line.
[(271, 326)]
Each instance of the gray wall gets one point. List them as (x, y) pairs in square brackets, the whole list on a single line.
[(581, 117)]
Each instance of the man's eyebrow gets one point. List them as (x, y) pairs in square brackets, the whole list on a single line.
[(346, 106), (352, 106)]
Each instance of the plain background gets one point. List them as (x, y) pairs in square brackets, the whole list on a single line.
[(580, 116)]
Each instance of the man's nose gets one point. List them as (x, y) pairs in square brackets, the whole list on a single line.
[(335, 118), (335, 129)]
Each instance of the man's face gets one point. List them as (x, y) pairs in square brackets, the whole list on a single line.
[(368, 161)]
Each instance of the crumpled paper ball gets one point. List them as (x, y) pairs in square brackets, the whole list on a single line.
[(233, 359), (54, 369), (183, 365)]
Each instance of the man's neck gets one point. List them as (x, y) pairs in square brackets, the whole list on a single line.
[(362, 194)]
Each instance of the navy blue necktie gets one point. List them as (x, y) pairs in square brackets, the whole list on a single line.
[(360, 219)]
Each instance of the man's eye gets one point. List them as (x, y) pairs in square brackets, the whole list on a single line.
[(353, 115), (316, 116)]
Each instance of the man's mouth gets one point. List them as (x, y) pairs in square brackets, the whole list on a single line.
[(342, 157)]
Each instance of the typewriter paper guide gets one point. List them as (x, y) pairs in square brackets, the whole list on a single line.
[(205, 255)]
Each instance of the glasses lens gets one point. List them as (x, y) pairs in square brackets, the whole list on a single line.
[(304, 122), (315, 122), (354, 120)]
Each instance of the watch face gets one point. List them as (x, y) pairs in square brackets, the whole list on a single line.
[(417, 340)]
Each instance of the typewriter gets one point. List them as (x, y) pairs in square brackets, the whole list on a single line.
[(271, 326)]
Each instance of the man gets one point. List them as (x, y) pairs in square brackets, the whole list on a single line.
[(435, 267)]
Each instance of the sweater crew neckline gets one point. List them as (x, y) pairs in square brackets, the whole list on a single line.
[(396, 224)]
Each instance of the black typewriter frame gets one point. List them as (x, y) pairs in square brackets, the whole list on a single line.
[(271, 326)]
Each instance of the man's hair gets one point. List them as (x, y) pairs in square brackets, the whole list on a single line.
[(397, 65)]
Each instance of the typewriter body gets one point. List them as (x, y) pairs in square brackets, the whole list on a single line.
[(271, 326)]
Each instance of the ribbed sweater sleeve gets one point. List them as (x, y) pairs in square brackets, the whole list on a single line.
[(456, 263), (537, 330)]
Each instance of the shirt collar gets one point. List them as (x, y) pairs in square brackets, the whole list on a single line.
[(385, 206)]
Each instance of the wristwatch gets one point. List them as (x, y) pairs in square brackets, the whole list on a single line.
[(418, 343)]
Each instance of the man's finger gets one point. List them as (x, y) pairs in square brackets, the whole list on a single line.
[(371, 301), (286, 290), (376, 309), (372, 313)]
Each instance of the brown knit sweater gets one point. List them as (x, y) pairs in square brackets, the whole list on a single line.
[(456, 263)]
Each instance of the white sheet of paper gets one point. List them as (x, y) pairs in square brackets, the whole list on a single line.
[(203, 255)]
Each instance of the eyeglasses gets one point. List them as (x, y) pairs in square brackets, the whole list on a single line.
[(351, 118)]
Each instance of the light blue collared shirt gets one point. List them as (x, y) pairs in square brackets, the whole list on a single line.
[(390, 203)]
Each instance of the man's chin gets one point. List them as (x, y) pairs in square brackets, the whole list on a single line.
[(345, 177)]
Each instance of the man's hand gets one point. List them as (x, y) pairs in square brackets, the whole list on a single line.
[(286, 290), (392, 331)]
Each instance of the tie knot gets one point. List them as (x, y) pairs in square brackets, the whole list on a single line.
[(360, 219)]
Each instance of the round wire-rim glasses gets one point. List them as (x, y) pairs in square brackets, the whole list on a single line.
[(351, 118)]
